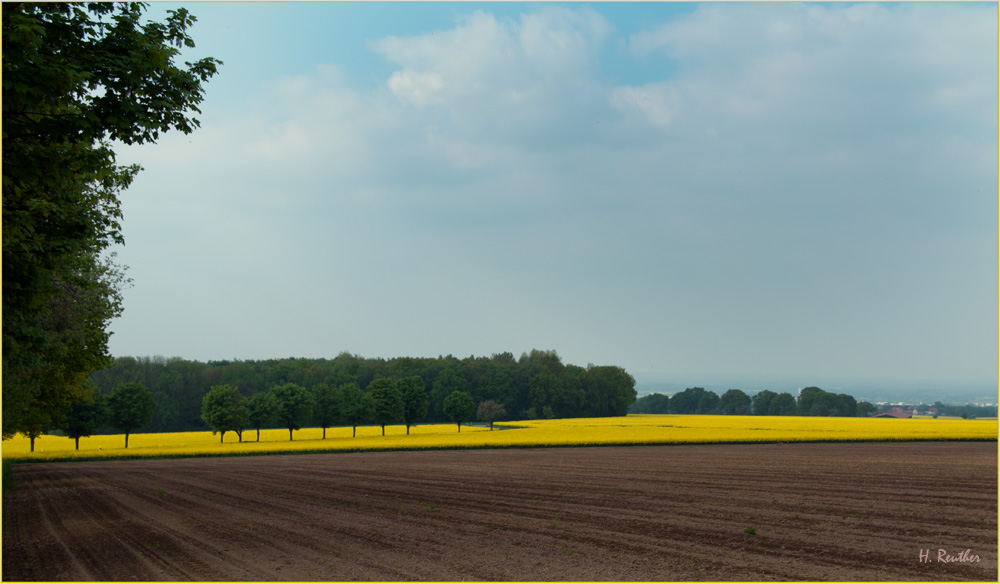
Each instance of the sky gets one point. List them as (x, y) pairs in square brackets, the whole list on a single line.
[(795, 190)]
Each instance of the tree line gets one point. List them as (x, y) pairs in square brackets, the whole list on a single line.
[(536, 385), (811, 401)]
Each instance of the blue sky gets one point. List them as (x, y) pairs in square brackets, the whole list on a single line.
[(726, 189)]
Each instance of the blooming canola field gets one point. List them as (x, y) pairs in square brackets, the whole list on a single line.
[(629, 430)]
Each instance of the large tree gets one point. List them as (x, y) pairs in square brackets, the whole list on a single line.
[(130, 407), (224, 409), (356, 406), (86, 417), (75, 77), (326, 406), (735, 402), (261, 409), (459, 407), (387, 402), (293, 406), (414, 400)]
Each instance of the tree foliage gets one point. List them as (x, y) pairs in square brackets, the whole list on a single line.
[(415, 400), (86, 417), (75, 77), (459, 407), (490, 411), (357, 405), (293, 406), (130, 407), (387, 402), (224, 409), (326, 406), (261, 409)]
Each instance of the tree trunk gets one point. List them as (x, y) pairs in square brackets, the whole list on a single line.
[(289, 434), (239, 435), (324, 432), (460, 427), (354, 432), (491, 425), (126, 439), (78, 443), (32, 438), (383, 429), (221, 436), (407, 429), (258, 433)]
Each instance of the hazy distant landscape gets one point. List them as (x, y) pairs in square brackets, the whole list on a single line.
[(870, 390)]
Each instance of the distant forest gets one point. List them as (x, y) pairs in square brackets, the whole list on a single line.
[(811, 401), (537, 385)]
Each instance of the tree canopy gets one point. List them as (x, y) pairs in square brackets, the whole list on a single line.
[(459, 407), (224, 409), (130, 407), (75, 77)]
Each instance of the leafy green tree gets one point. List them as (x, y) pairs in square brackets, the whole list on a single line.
[(75, 77), (357, 405), (85, 418), (782, 405), (654, 403), (326, 406), (415, 400), (735, 402), (686, 402), (130, 407), (261, 410), (224, 409), (447, 382), (387, 402), (490, 411), (708, 403), (865, 409), (294, 406), (761, 402), (459, 407)]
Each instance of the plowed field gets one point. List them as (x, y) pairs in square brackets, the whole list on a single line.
[(845, 512)]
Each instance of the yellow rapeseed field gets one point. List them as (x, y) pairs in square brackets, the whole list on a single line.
[(633, 429)]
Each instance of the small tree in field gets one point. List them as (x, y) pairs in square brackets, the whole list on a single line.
[(459, 407), (294, 406), (83, 419), (260, 410), (414, 400), (326, 406), (224, 409), (130, 407), (490, 411), (387, 402), (356, 406)]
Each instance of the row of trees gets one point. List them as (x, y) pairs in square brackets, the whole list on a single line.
[(385, 402), (536, 385), (812, 401)]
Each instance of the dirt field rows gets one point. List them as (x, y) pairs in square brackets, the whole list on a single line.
[(845, 512)]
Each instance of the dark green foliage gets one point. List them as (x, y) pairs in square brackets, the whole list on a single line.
[(10, 480), (75, 77), (326, 406), (708, 403), (387, 402), (654, 403), (813, 401), (356, 405), (293, 406), (86, 417), (130, 407), (261, 409), (178, 385), (224, 409), (459, 407), (490, 411), (415, 400), (734, 403)]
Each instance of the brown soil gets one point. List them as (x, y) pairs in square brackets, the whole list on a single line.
[(844, 512)]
